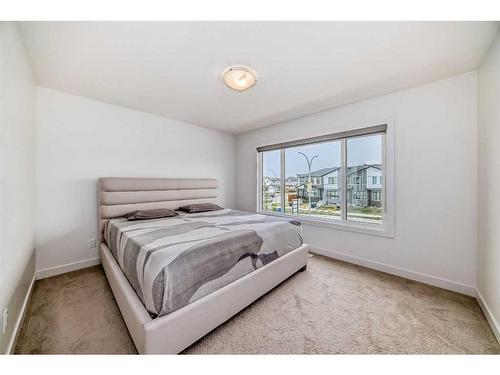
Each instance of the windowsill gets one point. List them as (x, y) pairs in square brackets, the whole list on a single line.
[(379, 230)]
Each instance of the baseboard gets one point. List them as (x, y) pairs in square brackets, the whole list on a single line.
[(495, 327), (20, 318), (57, 270), (402, 272)]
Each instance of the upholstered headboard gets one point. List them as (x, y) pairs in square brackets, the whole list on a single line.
[(117, 196)]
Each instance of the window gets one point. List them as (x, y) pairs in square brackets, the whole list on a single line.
[(332, 194), (312, 199), (364, 157), (332, 180), (337, 179), (271, 181)]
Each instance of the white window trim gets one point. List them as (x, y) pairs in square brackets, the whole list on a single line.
[(388, 193)]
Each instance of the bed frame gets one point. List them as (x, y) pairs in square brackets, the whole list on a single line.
[(172, 333)]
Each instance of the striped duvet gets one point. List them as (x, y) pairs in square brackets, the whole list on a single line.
[(173, 261)]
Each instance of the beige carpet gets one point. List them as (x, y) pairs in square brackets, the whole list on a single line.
[(333, 307)]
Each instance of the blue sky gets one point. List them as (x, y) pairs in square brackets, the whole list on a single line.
[(359, 151)]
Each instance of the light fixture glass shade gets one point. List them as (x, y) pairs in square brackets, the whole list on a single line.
[(239, 78)]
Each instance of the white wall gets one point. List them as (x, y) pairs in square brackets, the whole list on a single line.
[(436, 189), (488, 280), (79, 140), (17, 176)]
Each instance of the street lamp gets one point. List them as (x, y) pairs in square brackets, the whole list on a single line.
[(309, 182), (274, 173)]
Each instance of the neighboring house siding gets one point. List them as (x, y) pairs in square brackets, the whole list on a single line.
[(331, 193), (364, 185), (374, 178)]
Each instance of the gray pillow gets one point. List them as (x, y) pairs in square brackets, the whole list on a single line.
[(200, 207), (150, 214)]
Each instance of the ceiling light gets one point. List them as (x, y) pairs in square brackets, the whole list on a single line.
[(239, 78)]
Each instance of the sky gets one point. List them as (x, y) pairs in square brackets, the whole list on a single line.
[(360, 150)]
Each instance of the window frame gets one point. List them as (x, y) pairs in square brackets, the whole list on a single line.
[(387, 194)]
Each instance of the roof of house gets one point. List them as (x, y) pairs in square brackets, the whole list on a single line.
[(359, 168), (350, 170), (320, 172)]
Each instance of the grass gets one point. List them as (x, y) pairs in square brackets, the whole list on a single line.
[(365, 210), (370, 213)]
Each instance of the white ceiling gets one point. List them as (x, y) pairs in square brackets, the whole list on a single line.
[(173, 69)]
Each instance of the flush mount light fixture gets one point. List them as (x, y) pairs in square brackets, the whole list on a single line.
[(239, 78)]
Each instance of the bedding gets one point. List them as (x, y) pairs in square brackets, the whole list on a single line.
[(171, 262)]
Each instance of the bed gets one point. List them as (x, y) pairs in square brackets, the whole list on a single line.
[(179, 312)]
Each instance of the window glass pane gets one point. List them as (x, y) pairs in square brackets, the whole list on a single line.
[(364, 178), (311, 180), (271, 186)]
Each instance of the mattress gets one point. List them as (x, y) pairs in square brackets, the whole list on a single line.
[(174, 261)]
